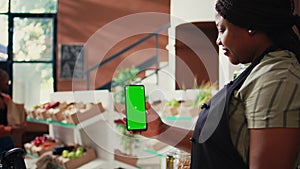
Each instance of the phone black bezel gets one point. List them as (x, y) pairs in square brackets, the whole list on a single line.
[(144, 129)]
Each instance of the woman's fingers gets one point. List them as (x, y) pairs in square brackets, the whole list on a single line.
[(148, 106), (123, 111), (124, 120), (135, 132), (152, 120)]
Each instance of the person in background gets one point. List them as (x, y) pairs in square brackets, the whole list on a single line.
[(254, 121), (6, 142)]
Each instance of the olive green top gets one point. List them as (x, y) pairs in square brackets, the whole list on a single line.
[(269, 97)]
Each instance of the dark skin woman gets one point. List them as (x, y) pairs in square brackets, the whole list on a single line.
[(261, 115), (6, 142)]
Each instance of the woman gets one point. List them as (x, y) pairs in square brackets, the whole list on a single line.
[(254, 122), (6, 142)]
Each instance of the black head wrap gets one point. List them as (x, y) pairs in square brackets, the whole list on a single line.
[(274, 17), (257, 14)]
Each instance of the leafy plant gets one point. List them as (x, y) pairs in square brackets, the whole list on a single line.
[(128, 141), (173, 103), (125, 77), (205, 94)]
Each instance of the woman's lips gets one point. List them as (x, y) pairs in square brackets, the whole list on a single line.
[(225, 51)]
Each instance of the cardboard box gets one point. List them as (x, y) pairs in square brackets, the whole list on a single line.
[(67, 163), (45, 147), (30, 113), (171, 111), (120, 156), (75, 116), (41, 114), (27, 147), (38, 151), (56, 114)]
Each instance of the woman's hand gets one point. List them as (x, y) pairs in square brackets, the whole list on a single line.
[(174, 136), (155, 126)]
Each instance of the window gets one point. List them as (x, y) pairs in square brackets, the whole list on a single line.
[(4, 37), (33, 6), (28, 48), (3, 6), (32, 40)]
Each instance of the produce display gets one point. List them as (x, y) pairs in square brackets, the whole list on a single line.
[(71, 113), (40, 111), (72, 156), (173, 103), (50, 105), (79, 152), (59, 154), (41, 144), (172, 108), (41, 140)]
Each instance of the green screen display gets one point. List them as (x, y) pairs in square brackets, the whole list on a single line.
[(135, 107)]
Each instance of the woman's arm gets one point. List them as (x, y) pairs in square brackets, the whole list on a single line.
[(274, 148), (177, 137), (170, 135)]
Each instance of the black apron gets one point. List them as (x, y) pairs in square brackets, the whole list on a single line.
[(212, 147)]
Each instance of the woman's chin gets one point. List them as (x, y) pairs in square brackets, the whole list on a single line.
[(233, 61)]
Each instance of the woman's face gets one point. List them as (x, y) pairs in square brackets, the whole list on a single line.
[(236, 42)]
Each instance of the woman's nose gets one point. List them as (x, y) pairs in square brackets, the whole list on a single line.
[(218, 41)]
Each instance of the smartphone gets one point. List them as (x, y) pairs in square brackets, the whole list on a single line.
[(135, 108)]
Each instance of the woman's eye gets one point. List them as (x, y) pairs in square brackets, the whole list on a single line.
[(221, 30)]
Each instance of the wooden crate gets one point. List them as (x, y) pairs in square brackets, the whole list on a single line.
[(120, 156), (56, 114), (30, 113), (27, 147), (39, 150), (41, 114), (78, 116), (67, 163)]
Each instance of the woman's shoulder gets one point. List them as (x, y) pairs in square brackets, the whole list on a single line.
[(280, 56), (276, 65)]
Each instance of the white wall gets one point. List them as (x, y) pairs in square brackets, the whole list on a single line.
[(183, 12), (226, 69), (194, 11)]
